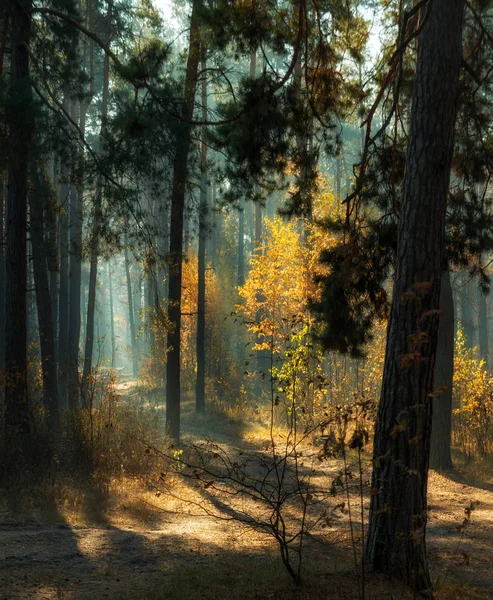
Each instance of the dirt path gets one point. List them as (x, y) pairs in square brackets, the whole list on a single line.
[(138, 553)]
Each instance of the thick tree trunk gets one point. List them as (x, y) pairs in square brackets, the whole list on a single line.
[(4, 27), (180, 173), (43, 302), (441, 435), (2, 276), (19, 118), (398, 514), (203, 219)]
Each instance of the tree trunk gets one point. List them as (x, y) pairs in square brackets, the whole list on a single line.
[(131, 316), (398, 513), (63, 310), (75, 272), (203, 219), (180, 173), (2, 276), (440, 455), (137, 303), (96, 228), (483, 326), (467, 319), (52, 251), (19, 118), (241, 247), (112, 320), (43, 302)]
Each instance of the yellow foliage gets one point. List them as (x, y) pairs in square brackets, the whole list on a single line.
[(473, 400)]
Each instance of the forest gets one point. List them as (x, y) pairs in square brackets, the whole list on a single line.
[(245, 267)]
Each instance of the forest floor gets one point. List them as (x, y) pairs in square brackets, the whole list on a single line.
[(141, 547)]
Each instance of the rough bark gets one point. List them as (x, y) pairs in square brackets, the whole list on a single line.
[(19, 118), (398, 513), (441, 435), (180, 173), (4, 20), (2, 276)]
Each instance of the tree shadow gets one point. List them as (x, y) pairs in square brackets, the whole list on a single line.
[(467, 479)]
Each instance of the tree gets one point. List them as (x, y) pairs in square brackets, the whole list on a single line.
[(175, 259), (396, 538), (440, 453), (37, 204), (97, 219), (19, 118), (203, 222)]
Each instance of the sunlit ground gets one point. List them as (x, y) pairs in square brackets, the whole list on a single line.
[(142, 542)]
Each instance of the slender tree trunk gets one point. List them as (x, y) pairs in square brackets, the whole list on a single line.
[(131, 316), (112, 319), (137, 303), (43, 301), (241, 247), (76, 221), (63, 302), (52, 251), (203, 221), (483, 326), (180, 173), (75, 269), (96, 228), (467, 312), (19, 118), (396, 542), (441, 435)]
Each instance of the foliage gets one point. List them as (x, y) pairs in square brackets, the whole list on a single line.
[(473, 401)]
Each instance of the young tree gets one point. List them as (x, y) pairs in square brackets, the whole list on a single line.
[(396, 538)]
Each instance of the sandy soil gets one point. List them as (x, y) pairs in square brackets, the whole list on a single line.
[(133, 551)]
